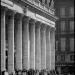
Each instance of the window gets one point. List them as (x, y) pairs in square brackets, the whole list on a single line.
[(71, 57), (71, 25), (67, 57), (62, 12), (71, 12), (56, 45), (63, 43), (58, 58), (62, 57), (62, 25), (72, 44)]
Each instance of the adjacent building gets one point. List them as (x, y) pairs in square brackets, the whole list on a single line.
[(65, 36), (27, 35)]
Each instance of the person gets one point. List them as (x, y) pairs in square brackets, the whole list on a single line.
[(6, 72)]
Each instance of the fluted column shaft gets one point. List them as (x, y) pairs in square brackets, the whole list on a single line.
[(18, 41), (48, 48), (32, 43), (37, 47), (25, 43), (3, 43), (11, 42), (43, 46), (52, 38)]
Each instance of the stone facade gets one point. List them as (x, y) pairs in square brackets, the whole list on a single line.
[(65, 30), (27, 35)]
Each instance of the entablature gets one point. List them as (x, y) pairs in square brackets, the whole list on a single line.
[(30, 11)]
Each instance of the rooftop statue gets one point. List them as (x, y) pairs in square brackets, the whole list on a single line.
[(52, 4)]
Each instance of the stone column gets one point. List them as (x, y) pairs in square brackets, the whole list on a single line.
[(32, 43), (48, 48), (37, 47), (43, 46), (52, 59), (3, 43), (18, 40), (10, 41), (25, 43)]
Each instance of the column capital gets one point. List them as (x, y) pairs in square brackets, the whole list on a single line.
[(38, 24), (3, 8), (10, 12), (19, 16), (26, 19), (48, 28), (32, 21), (43, 27), (52, 29)]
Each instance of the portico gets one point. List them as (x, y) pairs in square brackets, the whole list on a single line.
[(30, 37)]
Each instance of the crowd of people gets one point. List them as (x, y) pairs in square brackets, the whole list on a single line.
[(31, 72)]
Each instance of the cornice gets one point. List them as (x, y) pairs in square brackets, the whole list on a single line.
[(29, 4)]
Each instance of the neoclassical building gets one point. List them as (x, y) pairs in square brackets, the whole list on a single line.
[(27, 35)]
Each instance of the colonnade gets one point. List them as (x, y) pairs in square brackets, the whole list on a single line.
[(30, 40)]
